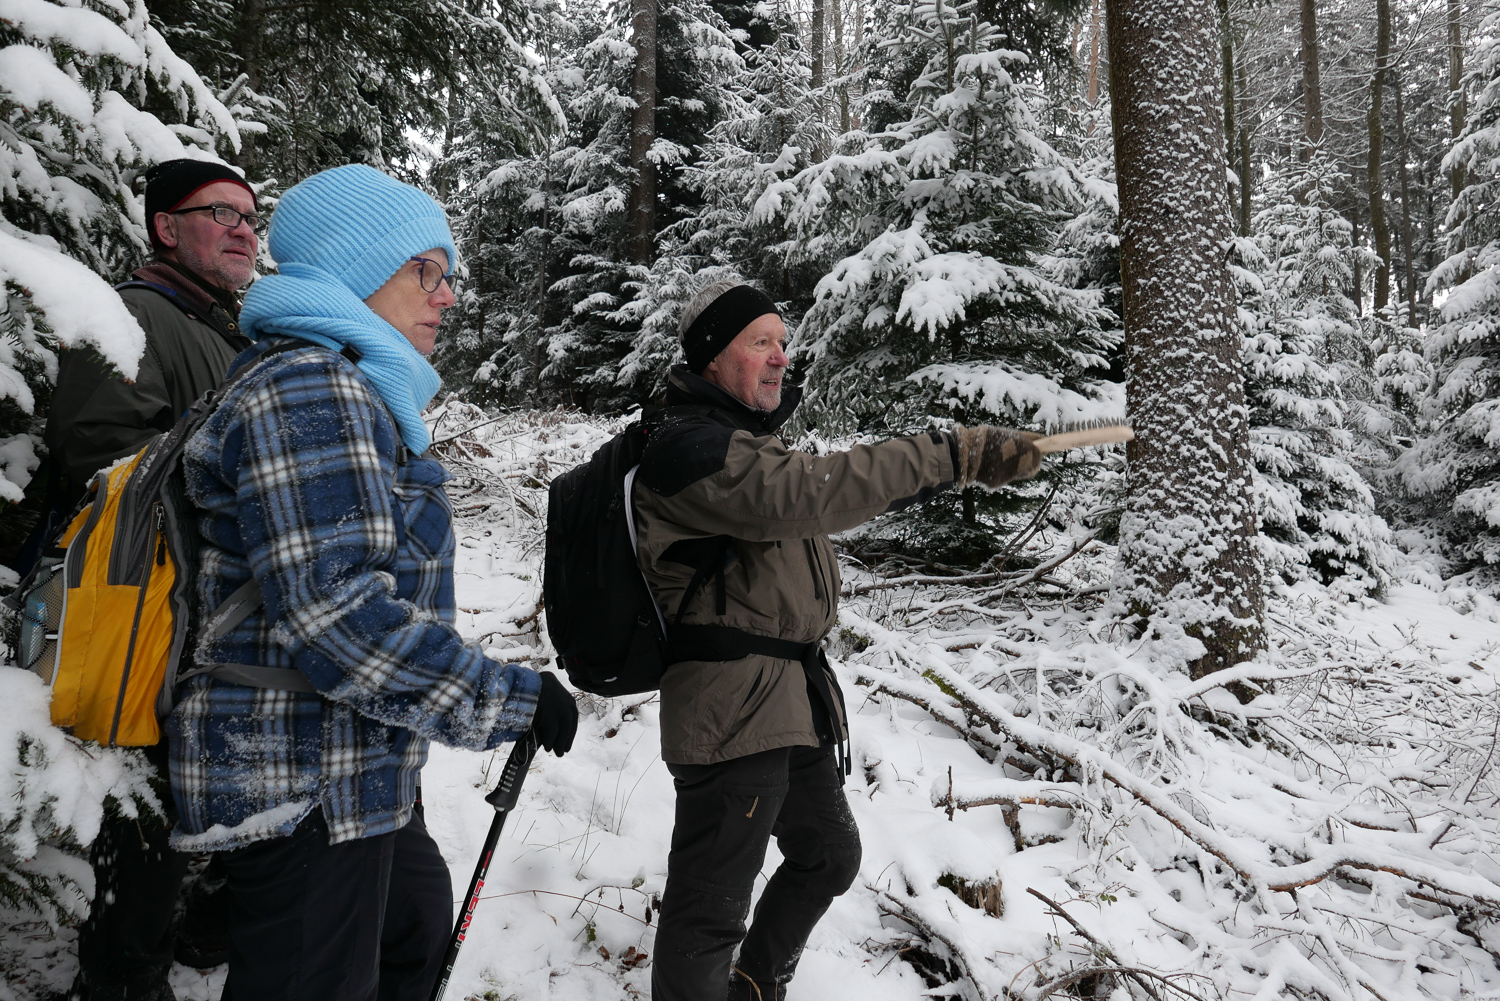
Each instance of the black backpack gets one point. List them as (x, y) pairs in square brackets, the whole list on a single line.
[(609, 634)]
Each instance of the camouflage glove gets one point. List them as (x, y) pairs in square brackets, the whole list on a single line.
[(993, 457)]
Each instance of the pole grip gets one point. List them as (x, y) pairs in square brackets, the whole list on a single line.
[(503, 797)]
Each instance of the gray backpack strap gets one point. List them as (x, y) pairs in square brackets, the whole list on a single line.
[(236, 609), (255, 676)]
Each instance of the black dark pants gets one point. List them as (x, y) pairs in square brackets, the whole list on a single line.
[(357, 921), (726, 814), (125, 946)]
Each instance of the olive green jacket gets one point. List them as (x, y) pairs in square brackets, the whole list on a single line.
[(712, 468), (97, 417)]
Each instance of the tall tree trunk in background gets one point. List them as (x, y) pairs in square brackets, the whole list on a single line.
[(839, 61), (1374, 179), (1247, 179), (1226, 58), (1187, 535), (1312, 85), (858, 55), (1457, 105), (1094, 27), (1401, 151), (1357, 293), (642, 202), (819, 72), (251, 31)]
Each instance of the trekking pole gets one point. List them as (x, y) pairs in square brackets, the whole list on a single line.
[(503, 799)]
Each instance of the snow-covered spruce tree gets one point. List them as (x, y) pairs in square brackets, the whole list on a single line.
[(559, 335), (938, 304), (1317, 513), (1451, 475), (74, 138), (491, 173), (73, 142), (344, 80), (1189, 559), (773, 133)]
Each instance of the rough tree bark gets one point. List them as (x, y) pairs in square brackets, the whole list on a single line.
[(1457, 105), (1187, 535), (1312, 85), (1374, 179), (641, 207)]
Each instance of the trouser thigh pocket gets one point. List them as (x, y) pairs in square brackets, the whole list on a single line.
[(724, 821)]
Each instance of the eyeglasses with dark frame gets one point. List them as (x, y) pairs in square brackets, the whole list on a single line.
[(430, 276), (226, 216)]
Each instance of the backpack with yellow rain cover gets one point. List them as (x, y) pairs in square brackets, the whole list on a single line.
[(108, 612)]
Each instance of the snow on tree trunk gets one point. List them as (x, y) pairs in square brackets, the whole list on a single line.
[(1187, 536), (643, 134)]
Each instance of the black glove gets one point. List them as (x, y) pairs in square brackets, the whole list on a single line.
[(556, 719)]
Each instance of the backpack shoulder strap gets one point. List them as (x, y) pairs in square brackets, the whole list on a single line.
[(220, 319), (170, 294)]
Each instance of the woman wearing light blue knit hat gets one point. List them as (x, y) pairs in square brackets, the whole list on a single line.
[(297, 744)]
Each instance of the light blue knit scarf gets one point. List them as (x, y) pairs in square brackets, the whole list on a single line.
[(307, 302)]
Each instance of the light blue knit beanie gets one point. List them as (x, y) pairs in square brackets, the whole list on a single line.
[(358, 225), (337, 237)]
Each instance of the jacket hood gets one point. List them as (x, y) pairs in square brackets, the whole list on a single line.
[(683, 387)]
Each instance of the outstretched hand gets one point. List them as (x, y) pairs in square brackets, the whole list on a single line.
[(556, 719), (993, 456)]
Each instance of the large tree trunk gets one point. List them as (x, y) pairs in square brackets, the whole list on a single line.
[(1374, 179), (1406, 247), (642, 203), (1457, 106), (1187, 535), (1312, 86)]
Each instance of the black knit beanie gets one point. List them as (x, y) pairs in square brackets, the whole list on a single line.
[(170, 184), (721, 322)]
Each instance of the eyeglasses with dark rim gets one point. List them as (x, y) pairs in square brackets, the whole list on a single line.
[(226, 216), (430, 276)]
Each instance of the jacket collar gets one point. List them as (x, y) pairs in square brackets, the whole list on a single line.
[(194, 290), (683, 387)]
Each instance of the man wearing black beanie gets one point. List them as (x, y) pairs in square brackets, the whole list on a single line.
[(203, 226), (732, 535)]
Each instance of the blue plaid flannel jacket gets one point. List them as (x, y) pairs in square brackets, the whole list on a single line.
[(297, 479)]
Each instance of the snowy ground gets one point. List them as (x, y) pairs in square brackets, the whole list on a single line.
[(1334, 838)]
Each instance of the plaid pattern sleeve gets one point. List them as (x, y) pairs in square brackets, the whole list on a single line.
[(297, 478)]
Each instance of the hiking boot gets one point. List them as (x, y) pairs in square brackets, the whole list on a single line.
[(742, 988)]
